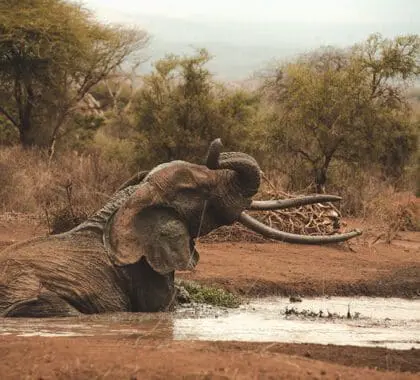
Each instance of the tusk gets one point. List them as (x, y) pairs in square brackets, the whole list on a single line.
[(287, 237), (294, 202)]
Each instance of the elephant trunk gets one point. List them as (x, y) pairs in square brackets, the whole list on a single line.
[(248, 176), (246, 168)]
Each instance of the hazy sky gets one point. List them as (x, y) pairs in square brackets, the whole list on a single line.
[(342, 11), (244, 35)]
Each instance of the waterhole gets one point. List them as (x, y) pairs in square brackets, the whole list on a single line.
[(385, 322)]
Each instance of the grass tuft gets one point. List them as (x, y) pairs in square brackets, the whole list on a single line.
[(210, 295)]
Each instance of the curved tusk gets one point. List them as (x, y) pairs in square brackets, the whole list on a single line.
[(294, 202), (287, 237)]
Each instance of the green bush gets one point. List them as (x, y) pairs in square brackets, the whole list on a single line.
[(210, 295)]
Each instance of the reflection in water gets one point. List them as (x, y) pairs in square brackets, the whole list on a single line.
[(118, 324), (393, 323)]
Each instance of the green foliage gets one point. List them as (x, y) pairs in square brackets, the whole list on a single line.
[(115, 149), (180, 108), (51, 54), (210, 295), (346, 104), (81, 130)]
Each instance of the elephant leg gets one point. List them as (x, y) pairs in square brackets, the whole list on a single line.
[(46, 304)]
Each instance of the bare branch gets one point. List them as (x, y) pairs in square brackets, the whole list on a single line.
[(9, 117)]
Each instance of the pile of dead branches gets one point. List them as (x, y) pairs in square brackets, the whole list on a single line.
[(314, 219)]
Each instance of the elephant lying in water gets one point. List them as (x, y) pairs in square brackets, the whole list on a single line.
[(123, 258)]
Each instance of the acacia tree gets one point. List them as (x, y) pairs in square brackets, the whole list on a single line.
[(346, 104), (52, 53), (180, 108)]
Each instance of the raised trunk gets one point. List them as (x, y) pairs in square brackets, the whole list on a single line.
[(246, 168)]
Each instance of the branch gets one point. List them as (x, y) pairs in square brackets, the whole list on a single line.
[(304, 154), (11, 119)]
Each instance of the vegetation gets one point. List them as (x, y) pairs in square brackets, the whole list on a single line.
[(52, 53), (343, 119), (180, 108), (347, 105), (63, 191), (210, 295)]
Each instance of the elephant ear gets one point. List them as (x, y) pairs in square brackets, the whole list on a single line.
[(143, 226)]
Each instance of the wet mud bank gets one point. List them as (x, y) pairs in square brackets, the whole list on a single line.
[(403, 283), (128, 358), (277, 269)]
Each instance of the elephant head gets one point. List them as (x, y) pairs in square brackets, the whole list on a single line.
[(161, 212)]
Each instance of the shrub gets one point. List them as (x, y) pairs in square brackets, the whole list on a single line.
[(65, 192), (210, 295)]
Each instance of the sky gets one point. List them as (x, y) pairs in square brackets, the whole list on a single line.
[(326, 11), (243, 35)]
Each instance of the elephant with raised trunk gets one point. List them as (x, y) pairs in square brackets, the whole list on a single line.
[(123, 258)]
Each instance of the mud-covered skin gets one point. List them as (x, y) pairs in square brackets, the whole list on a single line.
[(123, 258)]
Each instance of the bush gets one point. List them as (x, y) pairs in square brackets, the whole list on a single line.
[(390, 212), (210, 295), (71, 188), (180, 108)]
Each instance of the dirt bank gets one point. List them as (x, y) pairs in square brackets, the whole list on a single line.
[(254, 269), (113, 358), (286, 269)]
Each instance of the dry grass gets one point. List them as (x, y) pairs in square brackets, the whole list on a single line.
[(383, 206), (74, 186), (390, 212), (65, 192)]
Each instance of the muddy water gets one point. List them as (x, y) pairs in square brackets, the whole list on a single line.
[(392, 323)]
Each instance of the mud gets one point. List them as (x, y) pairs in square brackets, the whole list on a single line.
[(125, 358), (380, 270), (390, 323), (144, 346)]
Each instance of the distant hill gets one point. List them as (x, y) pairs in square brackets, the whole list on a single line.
[(239, 49)]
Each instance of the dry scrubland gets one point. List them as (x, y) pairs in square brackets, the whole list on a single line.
[(70, 188), (76, 122)]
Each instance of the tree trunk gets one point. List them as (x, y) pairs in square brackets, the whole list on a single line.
[(25, 99), (27, 133), (320, 179)]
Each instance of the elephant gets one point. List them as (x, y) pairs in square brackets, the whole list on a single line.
[(124, 257)]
